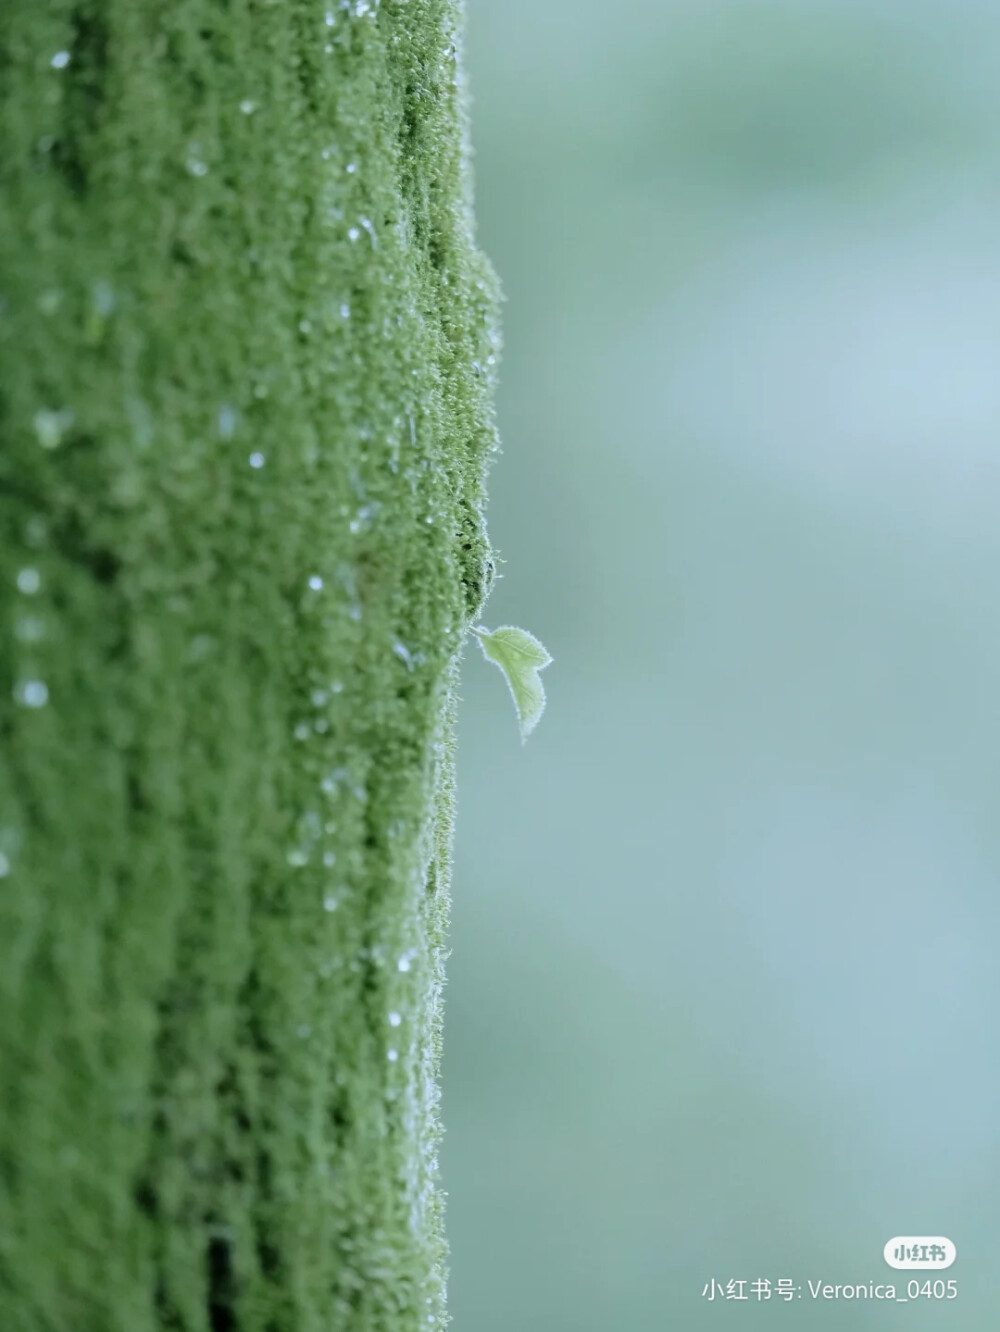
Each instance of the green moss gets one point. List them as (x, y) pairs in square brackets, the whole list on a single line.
[(246, 351)]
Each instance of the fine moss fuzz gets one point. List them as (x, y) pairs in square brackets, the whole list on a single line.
[(247, 356)]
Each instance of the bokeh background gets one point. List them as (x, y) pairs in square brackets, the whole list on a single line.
[(724, 992)]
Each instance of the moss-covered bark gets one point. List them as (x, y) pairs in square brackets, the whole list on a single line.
[(246, 351)]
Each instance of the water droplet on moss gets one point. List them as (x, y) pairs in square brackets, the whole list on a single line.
[(228, 416), (369, 227), (28, 581), (200, 646), (50, 427), (195, 165), (31, 693), (364, 518)]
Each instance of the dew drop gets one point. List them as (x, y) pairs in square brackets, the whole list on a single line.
[(318, 697), (226, 422), (305, 326), (256, 461), (394, 1019), (364, 518), (404, 654), (195, 165), (321, 726), (330, 903), (336, 687), (392, 1056), (351, 168), (60, 60), (102, 296), (368, 226), (51, 426), (329, 859), (353, 233), (200, 646), (28, 581), (345, 311), (404, 963), (301, 731), (248, 107), (31, 693), (316, 583)]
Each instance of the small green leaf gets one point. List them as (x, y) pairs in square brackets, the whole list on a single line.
[(520, 656)]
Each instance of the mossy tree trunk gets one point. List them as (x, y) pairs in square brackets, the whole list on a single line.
[(246, 351)]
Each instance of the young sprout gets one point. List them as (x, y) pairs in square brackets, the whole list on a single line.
[(520, 656)]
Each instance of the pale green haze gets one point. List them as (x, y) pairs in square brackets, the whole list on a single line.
[(723, 993)]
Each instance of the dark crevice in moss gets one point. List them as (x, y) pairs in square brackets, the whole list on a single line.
[(221, 1282), (85, 95)]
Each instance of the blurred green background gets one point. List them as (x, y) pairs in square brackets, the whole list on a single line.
[(724, 990)]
